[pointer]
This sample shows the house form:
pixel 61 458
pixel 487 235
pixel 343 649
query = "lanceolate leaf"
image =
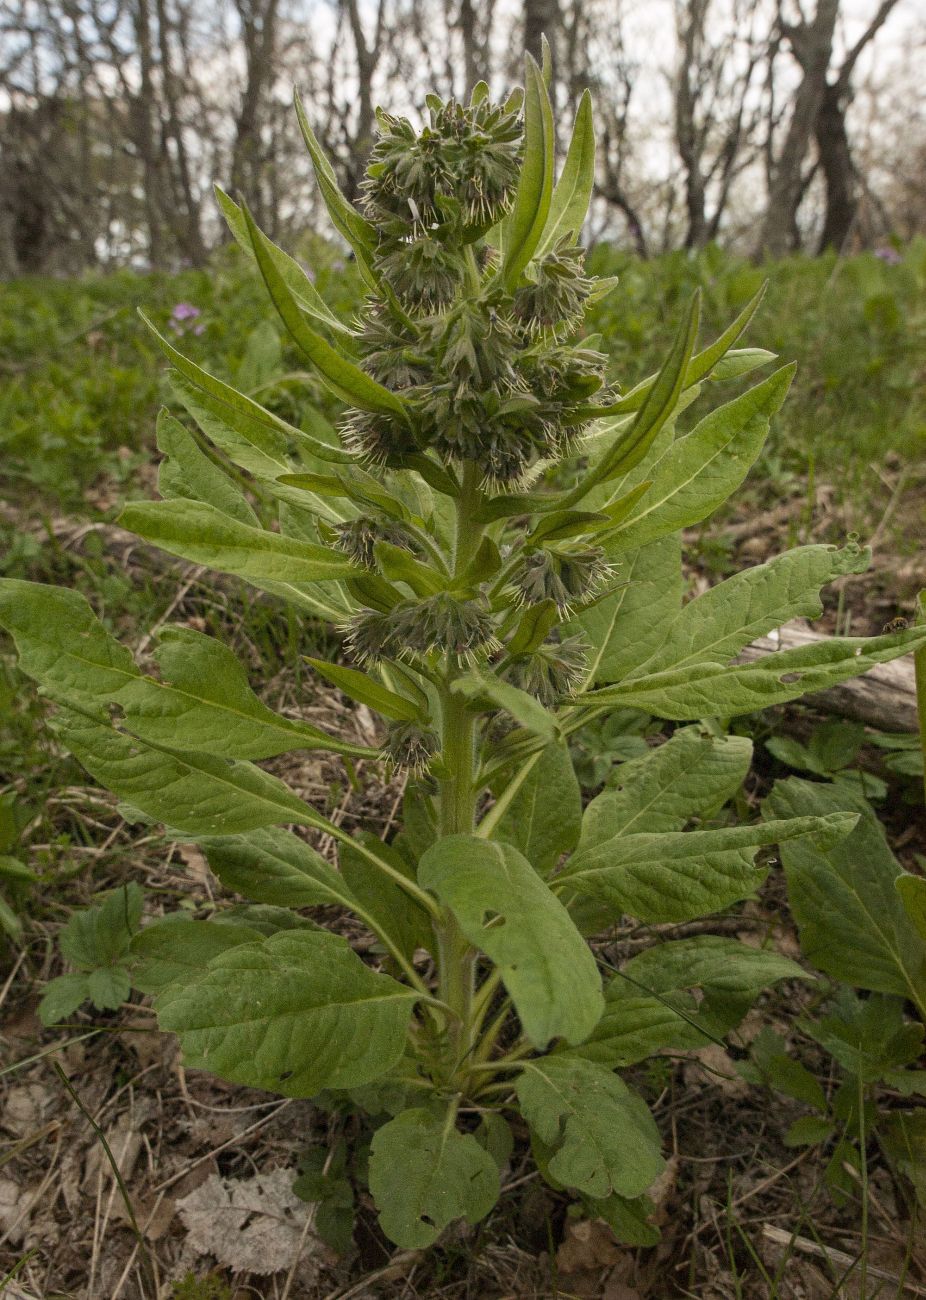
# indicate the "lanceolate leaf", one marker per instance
pixel 257 424
pixel 573 191
pixel 603 1137
pixel 381 898
pixel 296 280
pixel 294 1014
pixel 188 472
pixel 345 379
pixel 650 1006
pixel 698 472
pixel 844 897
pixel 525 224
pixel 709 690
pixel 526 710
pixel 725 619
pixel 543 819
pixel 505 910
pixel 681 875
pixel 202 534
pixel 424 1173
pixel 366 690
pixel 275 866
pixel 194 793
pixel 691 775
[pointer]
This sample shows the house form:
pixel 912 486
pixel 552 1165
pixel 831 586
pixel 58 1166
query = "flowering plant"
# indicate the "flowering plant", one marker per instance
pixel 496 527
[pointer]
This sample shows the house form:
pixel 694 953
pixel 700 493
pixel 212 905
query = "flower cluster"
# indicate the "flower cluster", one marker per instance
pixel 438 624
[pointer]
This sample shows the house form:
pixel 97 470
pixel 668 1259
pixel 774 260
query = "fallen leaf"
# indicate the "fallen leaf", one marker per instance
pixel 589 1243
pixel 249 1225
pixel 24 1109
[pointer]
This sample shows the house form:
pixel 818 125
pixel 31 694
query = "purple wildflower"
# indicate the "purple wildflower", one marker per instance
pixel 889 255
pixel 185 311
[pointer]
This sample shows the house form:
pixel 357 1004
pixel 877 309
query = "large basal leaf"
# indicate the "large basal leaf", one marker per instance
pixel 717 625
pixel 709 690
pixel 193 793
pixel 188 472
pixel 573 191
pixel 691 775
pixel 543 819
pixel 523 228
pixel 294 1014
pixel 699 471
pixel 204 535
pixel 627 626
pixel 844 899
pixel 681 995
pixel 203 703
pixel 682 875
pixel 173 951
pixel 505 910
pixel 275 866
pixel 602 1136
pixel 424 1173
pixel 912 891
pixel 298 283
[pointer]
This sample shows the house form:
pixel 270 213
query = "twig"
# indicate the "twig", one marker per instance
pixel 834 1256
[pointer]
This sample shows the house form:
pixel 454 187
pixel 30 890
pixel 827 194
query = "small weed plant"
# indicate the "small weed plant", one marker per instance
pixel 496 528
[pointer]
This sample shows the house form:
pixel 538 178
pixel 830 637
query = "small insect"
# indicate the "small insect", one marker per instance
pixel 896 625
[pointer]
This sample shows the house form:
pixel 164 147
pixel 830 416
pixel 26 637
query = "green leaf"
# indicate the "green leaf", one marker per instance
pixel 12 869
pixel 912 891
pixel 366 690
pixel 717 625
pixel 741 361
pixel 628 625
pixel 62 997
pixel 193 793
pixel 176 950
pixel 188 472
pixel 573 191
pixel 424 1174
pixel 870 1037
pixel 267 433
pixel 692 775
pixel 295 1014
pixel 204 535
pixel 347 220
pixel 903 1138
pixel 543 819
pixel 275 866
pixel 524 226
pixel 809 1131
pixel 682 875
pixel 100 935
pixel 844 898
pixel 650 1006
pixel 505 910
pixel 108 987
pixel 628 1219
pixel 345 379
pixel 603 1137
pixel 381 898
pixel 296 280
pixel 534 625
pixel 698 472
pixel 398 566
pixel 526 710
pixel 710 690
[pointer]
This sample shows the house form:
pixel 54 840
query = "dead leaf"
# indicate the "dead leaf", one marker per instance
pixel 249 1225
pixel 12 1202
pixel 713 1064
pixel 24 1109
pixel 589 1243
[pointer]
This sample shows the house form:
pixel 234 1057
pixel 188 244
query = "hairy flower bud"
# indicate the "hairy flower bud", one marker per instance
pixel 566 576
pixel 410 746
pixel 357 537
pixel 554 670
pixel 555 298
pixel 378 436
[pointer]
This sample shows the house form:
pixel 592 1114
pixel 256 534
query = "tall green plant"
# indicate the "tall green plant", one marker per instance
pixel 497 529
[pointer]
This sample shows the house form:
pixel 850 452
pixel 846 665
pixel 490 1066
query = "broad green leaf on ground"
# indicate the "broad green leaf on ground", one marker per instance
pixel 204 535
pixel 631 623
pixel 298 283
pixel 691 775
pixel 710 690
pixel 542 821
pixel 173 950
pixel 505 910
pixel 188 472
pixel 101 934
pixel 383 899
pixel 275 866
pixel 294 1014
pixel 903 1138
pixel 912 891
pixel 573 191
pixel 698 472
pixel 603 1138
pixel 851 919
pixel 62 996
pixel 680 995
pixel 424 1173
pixel 524 226
pixel 719 624
pixel 682 875
pixel 197 794
pixel 869 1037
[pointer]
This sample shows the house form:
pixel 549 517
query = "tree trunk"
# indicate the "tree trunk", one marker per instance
pixel 838 170
pixel 541 18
